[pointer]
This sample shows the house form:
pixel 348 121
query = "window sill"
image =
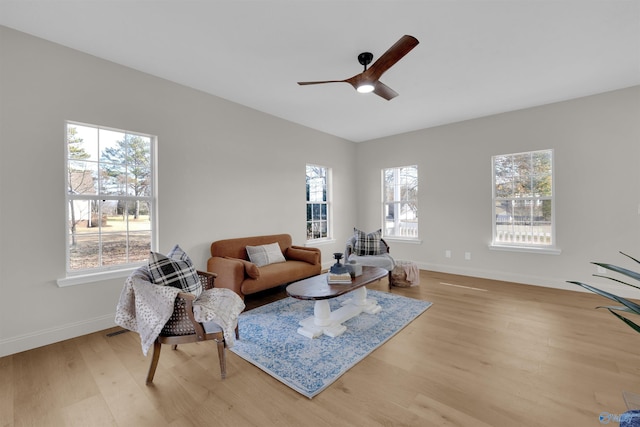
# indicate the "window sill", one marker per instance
pixel 320 242
pixel 83 279
pixel 529 249
pixel 402 240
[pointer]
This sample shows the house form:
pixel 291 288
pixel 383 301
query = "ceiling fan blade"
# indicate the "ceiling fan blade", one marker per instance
pixel 394 54
pixel 321 82
pixel 384 91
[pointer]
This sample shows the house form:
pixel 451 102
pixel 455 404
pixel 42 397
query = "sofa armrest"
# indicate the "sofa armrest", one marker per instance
pixel 230 273
pixel 250 268
pixel 302 253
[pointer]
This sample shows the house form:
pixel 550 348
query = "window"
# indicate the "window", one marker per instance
pixel 400 202
pixel 523 199
pixel 317 203
pixel 109 198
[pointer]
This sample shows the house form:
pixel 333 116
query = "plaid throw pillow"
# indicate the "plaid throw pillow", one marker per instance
pixel 367 244
pixel 175 269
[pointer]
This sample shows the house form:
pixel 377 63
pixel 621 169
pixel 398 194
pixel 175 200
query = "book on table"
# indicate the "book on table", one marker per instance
pixel 334 279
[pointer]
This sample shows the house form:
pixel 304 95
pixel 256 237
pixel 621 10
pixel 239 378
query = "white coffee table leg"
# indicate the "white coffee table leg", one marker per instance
pixel 325 321
pixel 360 300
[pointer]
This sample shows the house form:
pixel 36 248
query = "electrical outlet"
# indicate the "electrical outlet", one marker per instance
pixel 467 256
pixel 447 253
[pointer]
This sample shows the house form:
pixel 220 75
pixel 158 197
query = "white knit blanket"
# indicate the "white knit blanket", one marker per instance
pixel 145 307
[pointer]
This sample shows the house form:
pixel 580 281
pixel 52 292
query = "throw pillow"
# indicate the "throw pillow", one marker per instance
pixel 265 254
pixel 175 269
pixel 367 244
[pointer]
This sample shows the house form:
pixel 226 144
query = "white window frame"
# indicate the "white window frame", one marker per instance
pixel 327 204
pixel 411 228
pixel 102 271
pixel 523 237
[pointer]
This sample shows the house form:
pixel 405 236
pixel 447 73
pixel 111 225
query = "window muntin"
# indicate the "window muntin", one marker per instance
pixel 110 199
pixel 523 199
pixel 318 226
pixel 400 202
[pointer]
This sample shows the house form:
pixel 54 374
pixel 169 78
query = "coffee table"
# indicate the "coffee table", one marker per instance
pixel 325 321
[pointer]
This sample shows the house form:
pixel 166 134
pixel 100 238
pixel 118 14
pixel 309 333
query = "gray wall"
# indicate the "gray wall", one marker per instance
pixel 229 171
pixel 224 171
pixel 596 142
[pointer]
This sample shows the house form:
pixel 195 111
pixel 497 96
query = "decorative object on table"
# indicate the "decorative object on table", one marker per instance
pixel 268 339
pixel 337 279
pixel 338 268
pixel 404 274
pixel 354 268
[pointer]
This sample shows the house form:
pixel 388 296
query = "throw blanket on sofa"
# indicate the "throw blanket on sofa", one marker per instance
pixel 145 308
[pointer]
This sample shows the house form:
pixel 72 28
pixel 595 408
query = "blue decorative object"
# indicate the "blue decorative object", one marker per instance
pixel 268 339
pixel 338 268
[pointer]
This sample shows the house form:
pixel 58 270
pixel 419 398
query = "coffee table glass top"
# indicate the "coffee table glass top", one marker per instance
pixel 317 287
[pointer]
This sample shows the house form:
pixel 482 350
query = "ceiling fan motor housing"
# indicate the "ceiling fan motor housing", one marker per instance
pixel 365 59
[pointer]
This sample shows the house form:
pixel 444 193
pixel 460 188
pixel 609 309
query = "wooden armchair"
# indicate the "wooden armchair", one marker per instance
pixel 182 328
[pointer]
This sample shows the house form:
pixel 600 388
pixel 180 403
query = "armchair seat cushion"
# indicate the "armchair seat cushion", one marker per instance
pixel 383 260
pixel 211 327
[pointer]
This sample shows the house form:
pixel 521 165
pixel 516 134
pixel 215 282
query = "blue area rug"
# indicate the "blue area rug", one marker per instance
pixel 268 339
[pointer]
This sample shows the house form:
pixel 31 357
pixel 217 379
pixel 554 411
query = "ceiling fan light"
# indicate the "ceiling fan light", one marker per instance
pixel 365 88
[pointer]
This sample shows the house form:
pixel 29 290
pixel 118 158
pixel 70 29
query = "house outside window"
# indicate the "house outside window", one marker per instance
pixel 318 197
pixel 110 200
pixel 400 202
pixel 523 200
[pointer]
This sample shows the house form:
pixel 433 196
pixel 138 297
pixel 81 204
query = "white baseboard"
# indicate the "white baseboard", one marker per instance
pixel 48 336
pixel 546 282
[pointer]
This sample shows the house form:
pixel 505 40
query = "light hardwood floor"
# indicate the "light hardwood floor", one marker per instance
pixel 486 353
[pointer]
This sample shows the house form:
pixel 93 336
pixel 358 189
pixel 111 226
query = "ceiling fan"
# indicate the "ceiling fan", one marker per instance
pixel 368 80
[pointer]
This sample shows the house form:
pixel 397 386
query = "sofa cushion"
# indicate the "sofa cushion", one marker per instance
pixel 175 269
pixel 367 244
pixel 265 254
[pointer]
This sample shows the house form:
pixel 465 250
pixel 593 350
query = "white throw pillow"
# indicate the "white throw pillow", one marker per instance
pixel 265 254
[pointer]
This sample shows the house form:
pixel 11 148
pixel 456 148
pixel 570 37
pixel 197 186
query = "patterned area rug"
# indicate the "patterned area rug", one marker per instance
pixel 268 339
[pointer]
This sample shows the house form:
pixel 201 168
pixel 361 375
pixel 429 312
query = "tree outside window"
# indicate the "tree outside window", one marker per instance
pixel 523 199
pixel 110 199
pixel 400 202
pixel 317 203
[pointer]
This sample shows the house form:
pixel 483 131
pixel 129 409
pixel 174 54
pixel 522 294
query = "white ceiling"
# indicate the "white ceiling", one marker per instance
pixel 475 58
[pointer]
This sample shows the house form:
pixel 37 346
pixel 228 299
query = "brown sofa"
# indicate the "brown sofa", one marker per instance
pixel 229 260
